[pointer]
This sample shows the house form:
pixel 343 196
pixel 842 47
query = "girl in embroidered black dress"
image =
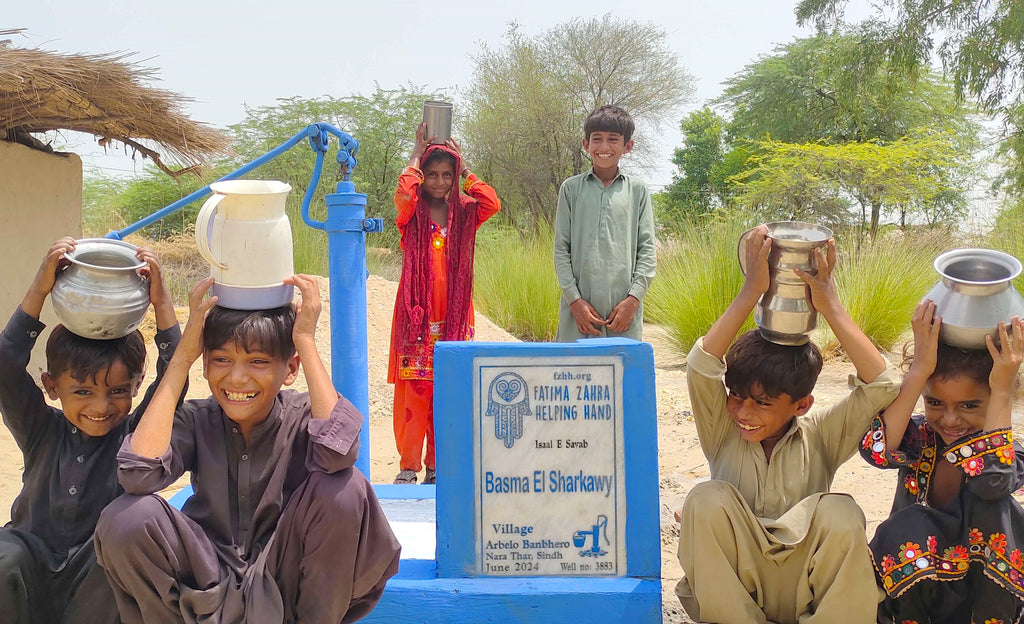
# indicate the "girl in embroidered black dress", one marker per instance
pixel 951 549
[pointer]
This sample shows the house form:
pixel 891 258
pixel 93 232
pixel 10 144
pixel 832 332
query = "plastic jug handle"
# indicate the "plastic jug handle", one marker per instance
pixel 203 233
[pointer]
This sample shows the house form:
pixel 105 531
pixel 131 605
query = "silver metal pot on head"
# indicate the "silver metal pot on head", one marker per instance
pixel 974 295
pixel 438 117
pixel 784 314
pixel 101 294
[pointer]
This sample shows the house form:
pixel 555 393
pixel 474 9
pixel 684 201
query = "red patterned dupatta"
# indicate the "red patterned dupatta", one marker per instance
pixel 412 317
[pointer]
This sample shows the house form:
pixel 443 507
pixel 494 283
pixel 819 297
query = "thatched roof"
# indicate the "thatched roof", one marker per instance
pixel 101 94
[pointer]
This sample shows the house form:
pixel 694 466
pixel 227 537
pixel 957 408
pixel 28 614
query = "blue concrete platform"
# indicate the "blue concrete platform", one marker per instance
pixel 417 596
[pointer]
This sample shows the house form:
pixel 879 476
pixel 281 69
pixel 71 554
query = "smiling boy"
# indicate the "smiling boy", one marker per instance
pixel 604 247
pixel 47 561
pixel 764 540
pixel 282 527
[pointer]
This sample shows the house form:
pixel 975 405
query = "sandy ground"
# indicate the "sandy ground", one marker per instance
pixel 681 462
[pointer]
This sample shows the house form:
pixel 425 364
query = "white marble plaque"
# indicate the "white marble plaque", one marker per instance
pixel 549 466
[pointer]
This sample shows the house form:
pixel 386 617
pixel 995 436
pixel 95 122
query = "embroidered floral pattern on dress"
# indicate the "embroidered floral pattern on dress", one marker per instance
pixel 418 362
pixel 969 454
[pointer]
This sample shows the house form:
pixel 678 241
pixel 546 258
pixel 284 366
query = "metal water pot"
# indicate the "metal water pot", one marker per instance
pixel 784 314
pixel 101 294
pixel 974 295
pixel 438 117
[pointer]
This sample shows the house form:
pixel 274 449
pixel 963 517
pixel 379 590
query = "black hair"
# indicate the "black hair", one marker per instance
pixel 776 368
pixel 951 362
pixel 84 358
pixel 269 331
pixel 609 118
pixel 436 155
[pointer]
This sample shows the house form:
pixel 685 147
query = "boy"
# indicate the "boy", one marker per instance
pixel 47 561
pixel 764 540
pixel 281 527
pixel 604 237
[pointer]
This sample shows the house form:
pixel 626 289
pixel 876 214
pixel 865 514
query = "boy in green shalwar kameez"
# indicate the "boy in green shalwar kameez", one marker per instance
pixel 765 541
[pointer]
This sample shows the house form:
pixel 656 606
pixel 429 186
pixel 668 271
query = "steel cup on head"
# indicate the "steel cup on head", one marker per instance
pixel 438 117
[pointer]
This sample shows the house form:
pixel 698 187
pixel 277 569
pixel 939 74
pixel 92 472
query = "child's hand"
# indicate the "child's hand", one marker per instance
pixel 586 317
pixel 926 338
pixel 1007 357
pixel 824 295
pixel 158 293
pixel 191 344
pixel 422 142
pixel 622 316
pixel 758 246
pixel 307 309
pixel 54 260
pixel 453 145
pixel 46 276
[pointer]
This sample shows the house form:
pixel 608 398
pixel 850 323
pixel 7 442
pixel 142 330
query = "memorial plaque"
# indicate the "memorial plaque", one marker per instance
pixel 549 480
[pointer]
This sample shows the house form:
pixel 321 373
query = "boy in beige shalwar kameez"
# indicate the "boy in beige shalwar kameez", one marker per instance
pixel 764 541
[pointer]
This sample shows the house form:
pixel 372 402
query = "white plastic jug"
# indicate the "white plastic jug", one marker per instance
pixel 243 232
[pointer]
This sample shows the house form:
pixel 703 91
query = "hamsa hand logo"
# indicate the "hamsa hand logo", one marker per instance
pixel 508 401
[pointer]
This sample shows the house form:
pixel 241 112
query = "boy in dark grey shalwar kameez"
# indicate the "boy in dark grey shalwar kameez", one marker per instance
pixel 282 527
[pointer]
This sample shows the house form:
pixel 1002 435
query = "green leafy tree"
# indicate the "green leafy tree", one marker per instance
pixel 923 173
pixel 528 99
pixel 980 42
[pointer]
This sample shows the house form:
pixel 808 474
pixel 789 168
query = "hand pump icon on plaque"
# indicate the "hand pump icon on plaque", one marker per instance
pixel 596 532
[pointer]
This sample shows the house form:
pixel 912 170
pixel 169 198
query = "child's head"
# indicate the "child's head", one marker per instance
pixel 439 173
pixel 248 355
pixel 94 380
pixel 769 384
pixel 957 394
pixel 607 136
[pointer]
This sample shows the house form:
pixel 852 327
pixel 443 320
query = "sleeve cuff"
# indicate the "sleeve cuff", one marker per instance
pixel 22 329
pixel 703 363
pixel 970 454
pixel 127 459
pixel 637 291
pixel 571 294
pixel 889 377
pixel 340 431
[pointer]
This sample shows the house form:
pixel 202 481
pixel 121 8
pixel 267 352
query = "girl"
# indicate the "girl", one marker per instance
pixel 438 226
pixel 950 550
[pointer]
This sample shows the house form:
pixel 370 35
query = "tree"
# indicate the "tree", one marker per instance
pixel 921 173
pixel 832 88
pixel 705 167
pixel 980 42
pixel 528 99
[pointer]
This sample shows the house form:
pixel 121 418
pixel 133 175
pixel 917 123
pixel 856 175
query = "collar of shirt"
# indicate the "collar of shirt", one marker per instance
pixel 260 430
pixel 618 176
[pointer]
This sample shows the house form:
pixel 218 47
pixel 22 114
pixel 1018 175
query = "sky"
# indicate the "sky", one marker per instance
pixel 226 54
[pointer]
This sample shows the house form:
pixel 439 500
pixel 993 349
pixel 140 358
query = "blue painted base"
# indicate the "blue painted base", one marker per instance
pixel 540 600
pixel 416 596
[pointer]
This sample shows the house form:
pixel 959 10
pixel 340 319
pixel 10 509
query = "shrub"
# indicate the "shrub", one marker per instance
pixel 515 283
pixel 882 282
pixel 697 278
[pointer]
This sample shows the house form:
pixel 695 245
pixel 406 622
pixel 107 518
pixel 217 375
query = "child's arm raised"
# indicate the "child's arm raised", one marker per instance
pixel 159 295
pixel 322 394
pixel 862 353
pixel 723 332
pixel 926 344
pixel 152 437
pixel 46 276
pixel 1005 363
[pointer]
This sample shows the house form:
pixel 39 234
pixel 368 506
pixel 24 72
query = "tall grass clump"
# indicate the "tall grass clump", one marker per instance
pixel 698 276
pixel 514 281
pixel 881 283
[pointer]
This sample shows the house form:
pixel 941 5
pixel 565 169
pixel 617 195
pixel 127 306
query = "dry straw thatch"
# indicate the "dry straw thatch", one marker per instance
pixel 100 94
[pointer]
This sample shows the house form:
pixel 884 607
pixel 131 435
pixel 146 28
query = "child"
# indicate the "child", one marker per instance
pixel 281 527
pixel 950 550
pixel 435 293
pixel 604 237
pixel 764 540
pixel 47 561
